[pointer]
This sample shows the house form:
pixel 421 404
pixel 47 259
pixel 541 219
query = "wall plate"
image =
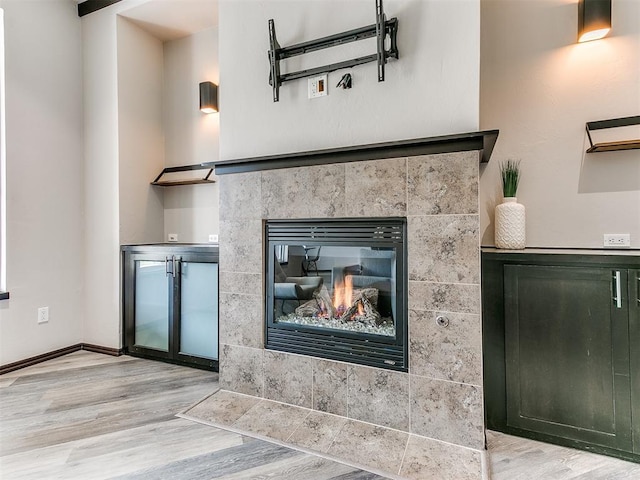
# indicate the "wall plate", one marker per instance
pixel 617 240
pixel 318 86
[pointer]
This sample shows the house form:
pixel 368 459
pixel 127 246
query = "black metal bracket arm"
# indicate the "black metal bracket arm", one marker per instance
pixel 381 29
pixel 185 168
pixel 612 146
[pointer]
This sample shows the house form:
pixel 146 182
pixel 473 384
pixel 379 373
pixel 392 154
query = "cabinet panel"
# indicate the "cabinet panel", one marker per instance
pixel 199 309
pixel 151 328
pixel 170 303
pixel 567 354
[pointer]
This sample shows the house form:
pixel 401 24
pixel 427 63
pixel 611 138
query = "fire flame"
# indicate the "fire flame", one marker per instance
pixel 343 296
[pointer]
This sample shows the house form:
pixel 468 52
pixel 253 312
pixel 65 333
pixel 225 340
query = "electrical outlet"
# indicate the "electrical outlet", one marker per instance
pixel 317 86
pixel 213 238
pixel 43 314
pixel 617 240
pixel 172 237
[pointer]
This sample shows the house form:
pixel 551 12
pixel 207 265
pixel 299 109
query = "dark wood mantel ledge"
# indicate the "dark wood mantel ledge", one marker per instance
pixel 482 141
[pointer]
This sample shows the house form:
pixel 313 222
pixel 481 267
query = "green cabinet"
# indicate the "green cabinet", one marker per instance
pixel 562 349
pixel 170 303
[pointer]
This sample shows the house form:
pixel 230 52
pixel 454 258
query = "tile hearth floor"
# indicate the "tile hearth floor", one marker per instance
pixel 91 416
pixel 382 450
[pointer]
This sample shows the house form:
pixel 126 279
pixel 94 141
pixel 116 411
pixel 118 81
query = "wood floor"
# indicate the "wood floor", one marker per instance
pixel 91 416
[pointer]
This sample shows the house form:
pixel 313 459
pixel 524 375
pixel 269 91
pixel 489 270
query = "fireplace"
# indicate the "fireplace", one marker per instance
pixel 336 289
pixel 431 403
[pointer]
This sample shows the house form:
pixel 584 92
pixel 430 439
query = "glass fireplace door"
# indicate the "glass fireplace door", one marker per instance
pixel 336 288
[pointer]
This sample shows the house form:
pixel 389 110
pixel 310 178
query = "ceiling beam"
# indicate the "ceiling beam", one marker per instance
pixel 90 6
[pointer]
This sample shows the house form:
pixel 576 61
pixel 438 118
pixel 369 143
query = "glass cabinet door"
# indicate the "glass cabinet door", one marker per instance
pixel 170 303
pixel 199 309
pixel 151 305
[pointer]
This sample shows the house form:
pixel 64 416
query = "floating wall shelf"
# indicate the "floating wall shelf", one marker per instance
pixel 185 168
pixel 613 146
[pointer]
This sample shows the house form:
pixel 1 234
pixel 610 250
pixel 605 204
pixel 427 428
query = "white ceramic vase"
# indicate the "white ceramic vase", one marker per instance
pixel 510 224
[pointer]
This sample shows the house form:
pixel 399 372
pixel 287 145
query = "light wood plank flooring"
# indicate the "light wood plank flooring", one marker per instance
pixel 91 416
pixel 515 458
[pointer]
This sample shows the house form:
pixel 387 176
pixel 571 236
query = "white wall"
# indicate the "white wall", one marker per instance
pixel 44 178
pixel 101 199
pixel 432 89
pixel 191 137
pixel 140 134
pixel 109 133
pixel 539 87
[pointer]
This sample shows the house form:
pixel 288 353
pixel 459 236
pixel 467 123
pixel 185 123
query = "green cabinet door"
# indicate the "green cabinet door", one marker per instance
pixel 567 353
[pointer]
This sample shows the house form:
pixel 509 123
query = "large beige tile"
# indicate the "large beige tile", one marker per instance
pixel 443 184
pixel 317 431
pixel 223 407
pixel 370 446
pixel 444 248
pixel 446 297
pixel 272 419
pixel 241 245
pixel 240 282
pixel 242 369
pixel 447 411
pixel 240 196
pixel 379 396
pixel 304 192
pixel 330 386
pixel 426 459
pixel 288 378
pixel 241 320
pixel 453 352
pixel 377 188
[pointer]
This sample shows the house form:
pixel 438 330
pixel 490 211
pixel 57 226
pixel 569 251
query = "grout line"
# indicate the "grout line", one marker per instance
pixel 444 283
pixel 348 390
pixel 406 447
pixel 333 440
pixel 440 215
pixel 406 187
pixel 410 396
pixel 197 402
pixel 297 427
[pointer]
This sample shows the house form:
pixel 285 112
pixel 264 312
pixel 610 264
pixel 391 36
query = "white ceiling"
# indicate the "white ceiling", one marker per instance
pixel 172 19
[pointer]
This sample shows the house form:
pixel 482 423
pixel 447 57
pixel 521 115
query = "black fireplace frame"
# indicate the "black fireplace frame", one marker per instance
pixel 354 347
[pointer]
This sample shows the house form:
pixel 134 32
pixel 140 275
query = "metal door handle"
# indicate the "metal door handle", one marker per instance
pixel 167 269
pixel 618 291
pixel 173 268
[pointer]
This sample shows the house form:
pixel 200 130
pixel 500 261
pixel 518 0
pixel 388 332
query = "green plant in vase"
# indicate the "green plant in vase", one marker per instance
pixel 510 172
pixel 510 215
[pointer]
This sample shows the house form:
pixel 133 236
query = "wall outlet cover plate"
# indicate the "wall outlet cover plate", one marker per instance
pixel 617 240
pixel 317 86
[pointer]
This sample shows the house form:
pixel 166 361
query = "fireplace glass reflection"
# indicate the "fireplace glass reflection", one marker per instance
pixel 335 289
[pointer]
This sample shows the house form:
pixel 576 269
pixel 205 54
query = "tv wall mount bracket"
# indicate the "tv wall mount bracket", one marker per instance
pixel 380 30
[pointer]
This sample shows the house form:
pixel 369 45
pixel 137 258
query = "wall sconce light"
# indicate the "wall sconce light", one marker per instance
pixel 594 19
pixel 208 97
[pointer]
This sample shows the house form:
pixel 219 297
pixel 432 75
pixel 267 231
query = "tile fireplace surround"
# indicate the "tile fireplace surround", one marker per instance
pixel 427 423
